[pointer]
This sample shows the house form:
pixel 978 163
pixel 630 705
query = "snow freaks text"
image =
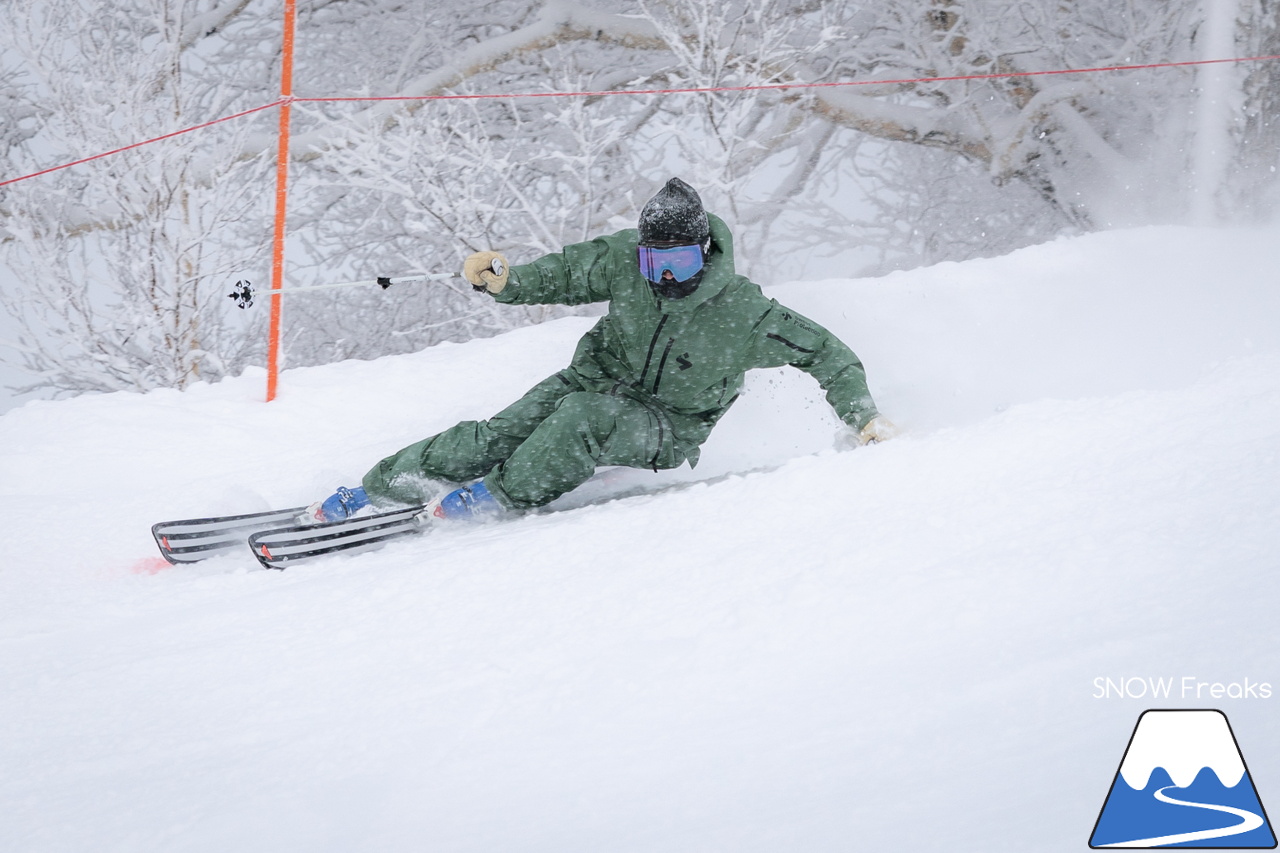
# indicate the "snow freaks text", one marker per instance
pixel 1184 687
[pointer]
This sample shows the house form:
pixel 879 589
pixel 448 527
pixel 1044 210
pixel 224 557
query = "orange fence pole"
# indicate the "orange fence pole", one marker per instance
pixel 282 195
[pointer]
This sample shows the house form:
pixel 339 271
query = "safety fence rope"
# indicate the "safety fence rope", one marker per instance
pixel 759 87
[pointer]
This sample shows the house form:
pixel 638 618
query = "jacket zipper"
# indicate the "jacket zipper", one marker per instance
pixel 662 365
pixel 657 333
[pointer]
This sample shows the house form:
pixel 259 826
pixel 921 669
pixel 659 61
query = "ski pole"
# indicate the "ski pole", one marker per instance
pixel 243 293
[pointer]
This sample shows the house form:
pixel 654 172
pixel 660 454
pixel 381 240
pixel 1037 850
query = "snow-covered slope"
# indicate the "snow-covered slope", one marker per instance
pixel 888 649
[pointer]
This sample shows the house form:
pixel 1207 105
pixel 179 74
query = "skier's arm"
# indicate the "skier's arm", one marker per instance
pixel 785 337
pixel 576 275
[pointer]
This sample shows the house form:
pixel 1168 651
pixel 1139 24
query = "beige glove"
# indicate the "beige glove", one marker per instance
pixel 877 429
pixel 486 271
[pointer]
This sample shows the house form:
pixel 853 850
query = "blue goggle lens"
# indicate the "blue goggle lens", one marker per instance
pixel 683 261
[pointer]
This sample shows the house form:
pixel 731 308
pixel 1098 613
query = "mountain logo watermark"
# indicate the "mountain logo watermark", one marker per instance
pixel 1183 783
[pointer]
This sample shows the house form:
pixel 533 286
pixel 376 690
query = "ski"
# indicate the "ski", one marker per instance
pixel 279 547
pixel 194 539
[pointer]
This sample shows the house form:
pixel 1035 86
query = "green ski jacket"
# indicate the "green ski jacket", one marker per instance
pixel 687 357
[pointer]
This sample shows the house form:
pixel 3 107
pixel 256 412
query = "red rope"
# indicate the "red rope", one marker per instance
pixel 144 142
pixel 685 91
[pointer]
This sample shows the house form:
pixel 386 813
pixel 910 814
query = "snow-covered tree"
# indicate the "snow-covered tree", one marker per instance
pixel 1252 185
pixel 122 264
pixel 132 254
pixel 1005 155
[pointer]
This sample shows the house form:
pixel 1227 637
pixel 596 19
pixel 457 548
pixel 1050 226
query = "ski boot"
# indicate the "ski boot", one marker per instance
pixel 342 504
pixel 468 503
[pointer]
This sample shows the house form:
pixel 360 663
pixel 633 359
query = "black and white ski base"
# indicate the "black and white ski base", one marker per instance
pixel 278 547
pixel 194 539
pixel 278 538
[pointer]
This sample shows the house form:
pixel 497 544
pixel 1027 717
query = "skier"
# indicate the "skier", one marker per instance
pixel 646 384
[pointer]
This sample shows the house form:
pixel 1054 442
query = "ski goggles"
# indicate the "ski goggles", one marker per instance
pixel 683 261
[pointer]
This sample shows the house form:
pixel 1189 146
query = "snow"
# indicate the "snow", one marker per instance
pixel 893 648
pixel 1183 743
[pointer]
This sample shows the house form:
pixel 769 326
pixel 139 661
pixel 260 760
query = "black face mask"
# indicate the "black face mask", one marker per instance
pixel 672 289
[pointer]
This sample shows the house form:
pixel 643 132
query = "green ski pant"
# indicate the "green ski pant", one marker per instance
pixel 545 444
